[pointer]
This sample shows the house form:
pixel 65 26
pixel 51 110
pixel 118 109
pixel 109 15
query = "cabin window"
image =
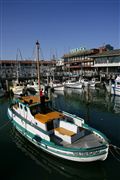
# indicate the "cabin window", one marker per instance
pixel 25 108
pixel 21 106
pixel 118 83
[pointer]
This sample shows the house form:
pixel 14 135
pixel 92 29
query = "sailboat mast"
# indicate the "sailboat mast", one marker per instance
pixel 38 66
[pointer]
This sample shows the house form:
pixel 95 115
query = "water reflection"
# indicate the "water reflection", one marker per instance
pixel 53 165
pixel 116 101
pixel 99 109
pixel 97 98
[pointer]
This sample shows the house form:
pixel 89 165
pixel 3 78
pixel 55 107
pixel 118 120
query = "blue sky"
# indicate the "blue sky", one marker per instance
pixel 59 25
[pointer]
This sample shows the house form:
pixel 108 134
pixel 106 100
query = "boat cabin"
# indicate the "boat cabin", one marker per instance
pixel 51 123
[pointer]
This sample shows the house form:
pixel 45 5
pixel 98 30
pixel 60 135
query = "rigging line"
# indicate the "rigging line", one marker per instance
pixel 117 151
pixel 42 57
pixel 115 147
pixel 33 54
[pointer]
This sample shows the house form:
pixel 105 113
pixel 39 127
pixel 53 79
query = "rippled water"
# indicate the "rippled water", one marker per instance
pixel 21 160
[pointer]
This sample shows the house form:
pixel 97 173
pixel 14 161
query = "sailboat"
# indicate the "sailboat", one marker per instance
pixel 17 87
pixel 58 133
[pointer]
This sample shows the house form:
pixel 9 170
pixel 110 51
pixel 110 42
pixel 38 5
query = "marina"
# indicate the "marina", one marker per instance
pixel 62 119
pixel 59 90
pixel 101 112
pixel 56 132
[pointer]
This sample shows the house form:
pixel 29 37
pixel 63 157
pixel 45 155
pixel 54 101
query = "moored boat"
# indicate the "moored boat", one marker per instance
pixel 58 133
pixel 56 85
pixel 73 84
pixel 115 88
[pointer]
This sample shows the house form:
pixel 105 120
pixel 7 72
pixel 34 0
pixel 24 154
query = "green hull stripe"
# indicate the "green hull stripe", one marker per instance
pixel 31 136
pixel 51 144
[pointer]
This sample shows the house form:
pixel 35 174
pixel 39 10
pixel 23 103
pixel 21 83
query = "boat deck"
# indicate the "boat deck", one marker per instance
pixel 44 118
pixel 88 141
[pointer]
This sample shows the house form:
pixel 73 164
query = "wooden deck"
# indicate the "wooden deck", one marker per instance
pixel 44 118
pixel 31 99
pixel 64 131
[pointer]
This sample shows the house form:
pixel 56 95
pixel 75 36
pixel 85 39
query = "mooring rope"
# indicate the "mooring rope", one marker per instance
pixel 4 125
pixel 116 151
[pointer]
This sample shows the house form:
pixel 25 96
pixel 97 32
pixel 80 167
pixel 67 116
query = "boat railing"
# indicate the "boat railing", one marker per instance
pixel 98 149
pixel 72 115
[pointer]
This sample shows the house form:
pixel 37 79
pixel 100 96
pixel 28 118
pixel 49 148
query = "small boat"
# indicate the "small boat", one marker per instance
pixel 73 84
pixel 115 88
pixel 57 86
pixel 58 133
pixel 35 85
pixel 17 88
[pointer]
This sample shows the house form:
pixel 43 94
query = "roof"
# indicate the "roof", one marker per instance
pixel 44 118
pixel 115 52
pixel 79 53
pixel 31 100
pixel 26 62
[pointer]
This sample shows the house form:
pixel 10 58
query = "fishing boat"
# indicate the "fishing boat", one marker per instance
pixel 58 133
pixel 115 88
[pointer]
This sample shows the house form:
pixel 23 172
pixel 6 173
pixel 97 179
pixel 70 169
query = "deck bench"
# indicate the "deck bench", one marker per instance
pixel 64 134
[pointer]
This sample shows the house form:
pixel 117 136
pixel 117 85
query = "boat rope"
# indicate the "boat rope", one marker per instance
pixel 4 125
pixel 116 152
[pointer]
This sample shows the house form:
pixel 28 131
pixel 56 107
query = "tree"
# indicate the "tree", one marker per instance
pixel 109 47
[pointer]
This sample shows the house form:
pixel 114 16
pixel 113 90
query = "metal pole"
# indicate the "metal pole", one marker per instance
pixel 38 64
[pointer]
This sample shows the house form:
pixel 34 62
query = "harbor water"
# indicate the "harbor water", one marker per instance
pixel 21 160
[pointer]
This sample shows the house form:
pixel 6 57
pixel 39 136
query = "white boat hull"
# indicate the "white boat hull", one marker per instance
pixel 29 131
pixel 115 91
pixel 74 86
pixel 58 88
pixel 115 88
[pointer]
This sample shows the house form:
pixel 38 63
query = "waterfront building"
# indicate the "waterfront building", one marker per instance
pixel 107 63
pixel 101 62
pixel 24 69
pixel 78 62
pixel 59 70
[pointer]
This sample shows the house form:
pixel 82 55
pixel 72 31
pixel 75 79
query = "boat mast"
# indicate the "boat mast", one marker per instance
pixel 38 66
